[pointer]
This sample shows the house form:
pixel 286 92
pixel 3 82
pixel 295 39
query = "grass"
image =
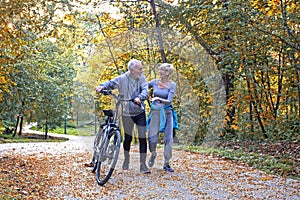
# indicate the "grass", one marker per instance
pixel 26 138
pixel 283 166
pixel 86 130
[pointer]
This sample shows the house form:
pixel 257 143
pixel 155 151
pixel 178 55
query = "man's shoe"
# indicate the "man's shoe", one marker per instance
pixel 125 165
pixel 168 168
pixel 144 169
pixel 152 159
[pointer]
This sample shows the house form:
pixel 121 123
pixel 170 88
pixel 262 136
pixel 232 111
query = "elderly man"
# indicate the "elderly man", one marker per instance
pixel 132 85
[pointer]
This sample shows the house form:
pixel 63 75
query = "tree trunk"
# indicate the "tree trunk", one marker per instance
pixel 65 125
pixel 279 87
pixel 253 99
pixel 157 25
pixel 251 116
pixel 228 77
pixel 16 126
pixel 298 87
pixel 230 112
pixel 21 125
pixel 294 40
pixel 46 130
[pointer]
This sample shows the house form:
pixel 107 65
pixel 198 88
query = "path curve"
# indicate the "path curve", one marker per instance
pixel 196 176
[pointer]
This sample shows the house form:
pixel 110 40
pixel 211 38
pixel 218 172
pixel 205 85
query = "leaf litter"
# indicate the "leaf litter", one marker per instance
pixel 57 171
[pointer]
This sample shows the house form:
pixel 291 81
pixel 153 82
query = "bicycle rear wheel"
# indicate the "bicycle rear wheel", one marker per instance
pixel 108 157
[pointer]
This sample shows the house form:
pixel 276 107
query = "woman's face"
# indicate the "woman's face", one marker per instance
pixel 163 73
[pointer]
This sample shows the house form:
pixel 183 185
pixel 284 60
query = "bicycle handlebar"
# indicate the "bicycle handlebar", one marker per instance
pixel 106 92
pixel 120 97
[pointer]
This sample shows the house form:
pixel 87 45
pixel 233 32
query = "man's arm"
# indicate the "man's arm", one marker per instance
pixel 109 85
pixel 144 90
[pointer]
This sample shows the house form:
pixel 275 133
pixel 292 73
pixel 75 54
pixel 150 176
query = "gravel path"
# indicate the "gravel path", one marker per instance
pixel 196 176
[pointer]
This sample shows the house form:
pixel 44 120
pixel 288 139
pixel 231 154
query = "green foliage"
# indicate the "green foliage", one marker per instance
pixel 254 49
pixel 23 23
pixel 41 87
pixel 61 130
pixel 86 130
pixel 287 130
pixel 253 44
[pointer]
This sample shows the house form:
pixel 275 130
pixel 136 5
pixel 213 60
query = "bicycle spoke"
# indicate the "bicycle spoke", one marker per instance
pixel 108 158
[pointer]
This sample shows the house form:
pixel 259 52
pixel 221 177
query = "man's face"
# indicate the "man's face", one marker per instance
pixel 137 71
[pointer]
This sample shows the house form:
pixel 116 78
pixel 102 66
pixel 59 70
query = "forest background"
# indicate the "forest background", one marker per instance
pixel 237 63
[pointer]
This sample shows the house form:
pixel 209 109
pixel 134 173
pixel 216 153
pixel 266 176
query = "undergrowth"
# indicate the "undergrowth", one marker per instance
pixel 283 165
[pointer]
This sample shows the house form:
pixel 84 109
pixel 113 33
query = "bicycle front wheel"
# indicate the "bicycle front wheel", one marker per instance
pixel 97 148
pixel 108 157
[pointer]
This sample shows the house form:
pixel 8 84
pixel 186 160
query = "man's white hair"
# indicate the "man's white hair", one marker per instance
pixel 132 63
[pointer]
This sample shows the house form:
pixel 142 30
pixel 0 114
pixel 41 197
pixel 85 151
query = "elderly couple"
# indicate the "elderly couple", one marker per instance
pixel 133 85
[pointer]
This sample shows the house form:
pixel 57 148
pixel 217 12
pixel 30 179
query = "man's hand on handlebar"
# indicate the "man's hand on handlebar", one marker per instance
pixel 99 89
pixel 137 100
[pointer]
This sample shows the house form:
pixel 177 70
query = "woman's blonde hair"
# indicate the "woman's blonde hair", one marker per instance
pixel 168 67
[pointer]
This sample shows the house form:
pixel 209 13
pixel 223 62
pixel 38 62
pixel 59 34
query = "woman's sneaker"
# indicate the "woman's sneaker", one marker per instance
pixel 168 168
pixel 91 164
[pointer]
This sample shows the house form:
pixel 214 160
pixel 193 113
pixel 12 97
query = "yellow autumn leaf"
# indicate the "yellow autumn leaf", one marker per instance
pixel 234 127
pixel 266 178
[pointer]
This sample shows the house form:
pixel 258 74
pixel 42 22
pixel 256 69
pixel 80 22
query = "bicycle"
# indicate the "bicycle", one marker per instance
pixel 107 142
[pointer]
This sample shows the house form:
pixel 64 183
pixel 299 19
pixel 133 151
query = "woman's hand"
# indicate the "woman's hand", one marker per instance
pixel 155 98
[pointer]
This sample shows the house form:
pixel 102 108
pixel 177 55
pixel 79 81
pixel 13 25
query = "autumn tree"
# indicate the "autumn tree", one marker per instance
pixel 254 45
pixel 24 60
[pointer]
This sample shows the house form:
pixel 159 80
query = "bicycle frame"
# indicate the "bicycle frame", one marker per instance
pixel 107 142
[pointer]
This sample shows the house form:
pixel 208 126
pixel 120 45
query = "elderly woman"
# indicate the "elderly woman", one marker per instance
pixel 161 115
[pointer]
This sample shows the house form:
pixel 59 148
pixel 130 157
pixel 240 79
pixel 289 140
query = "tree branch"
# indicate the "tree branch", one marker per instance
pixel 107 43
pixel 295 46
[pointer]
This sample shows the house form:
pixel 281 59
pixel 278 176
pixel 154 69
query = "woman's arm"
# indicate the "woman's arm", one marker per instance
pixel 170 97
